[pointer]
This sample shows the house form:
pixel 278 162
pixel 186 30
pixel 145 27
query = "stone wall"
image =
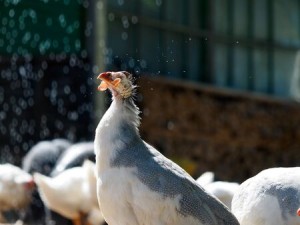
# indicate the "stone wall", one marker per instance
pixel 234 134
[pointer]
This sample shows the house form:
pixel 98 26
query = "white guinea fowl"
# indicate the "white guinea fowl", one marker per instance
pixel 271 197
pixel 15 188
pixel 74 156
pixel 223 190
pixel 71 193
pixel 137 185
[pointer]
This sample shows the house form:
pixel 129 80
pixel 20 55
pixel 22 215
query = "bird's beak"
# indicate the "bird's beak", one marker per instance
pixel 107 81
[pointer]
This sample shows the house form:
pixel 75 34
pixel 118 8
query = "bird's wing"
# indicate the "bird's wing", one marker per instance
pixel 163 176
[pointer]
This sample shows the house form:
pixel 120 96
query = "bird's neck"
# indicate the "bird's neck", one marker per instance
pixel 119 124
pixel 127 111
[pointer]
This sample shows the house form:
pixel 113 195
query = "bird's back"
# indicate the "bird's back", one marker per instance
pixel 270 197
pixel 174 192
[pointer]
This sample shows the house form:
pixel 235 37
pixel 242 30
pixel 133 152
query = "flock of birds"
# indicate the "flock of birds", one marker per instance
pixel 56 185
pixel 119 179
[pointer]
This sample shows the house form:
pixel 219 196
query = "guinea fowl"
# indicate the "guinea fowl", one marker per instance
pixel 271 197
pixel 74 156
pixel 41 158
pixel 223 190
pixel 137 185
pixel 72 194
pixel 15 188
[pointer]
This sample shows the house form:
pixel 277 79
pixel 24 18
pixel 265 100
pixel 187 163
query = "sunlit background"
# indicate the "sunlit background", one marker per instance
pixel 52 50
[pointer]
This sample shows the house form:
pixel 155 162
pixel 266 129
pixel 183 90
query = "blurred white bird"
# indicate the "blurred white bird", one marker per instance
pixel 137 185
pixel 223 190
pixel 71 193
pixel 271 197
pixel 15 188
pixel 41 158
pixel 206 178
pixel 74 156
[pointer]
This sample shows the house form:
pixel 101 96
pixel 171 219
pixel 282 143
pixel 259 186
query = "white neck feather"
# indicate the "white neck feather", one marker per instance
pixel 109 134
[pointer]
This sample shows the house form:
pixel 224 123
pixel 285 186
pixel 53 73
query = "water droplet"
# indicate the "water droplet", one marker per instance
pixel 62 20
pixel 143 64
pixel 22 71
pixel 66 2
pixel 67 89
pixel 170 125
pixel 26 37
pixel 66 69
pixel 86 4
pixel 4 21
pixel 125 22
pixel 134 19
pixel 131 63
pixel 73 115
pixel 12 23
pixel 49 21
pixel 111 17
pixel 124 36
pixel 11 13
pixel 158 2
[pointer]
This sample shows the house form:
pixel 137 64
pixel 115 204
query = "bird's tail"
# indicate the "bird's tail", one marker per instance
pixel 46 191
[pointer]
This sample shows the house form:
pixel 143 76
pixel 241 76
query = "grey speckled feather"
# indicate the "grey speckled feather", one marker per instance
pixel 287 198
pixel 163 176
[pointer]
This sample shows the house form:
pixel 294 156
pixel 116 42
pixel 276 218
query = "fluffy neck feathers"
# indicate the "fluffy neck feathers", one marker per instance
pixel 128 110
pixel 119 124
pixel 124 111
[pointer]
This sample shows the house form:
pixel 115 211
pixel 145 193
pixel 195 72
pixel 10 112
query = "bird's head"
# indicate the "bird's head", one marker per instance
pixel 119 83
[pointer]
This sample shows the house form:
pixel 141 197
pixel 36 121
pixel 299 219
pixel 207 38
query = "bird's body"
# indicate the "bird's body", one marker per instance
pixel 271 197
pixel 74 156
pixel 137 185
pixel 42 158
pixel 69 193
